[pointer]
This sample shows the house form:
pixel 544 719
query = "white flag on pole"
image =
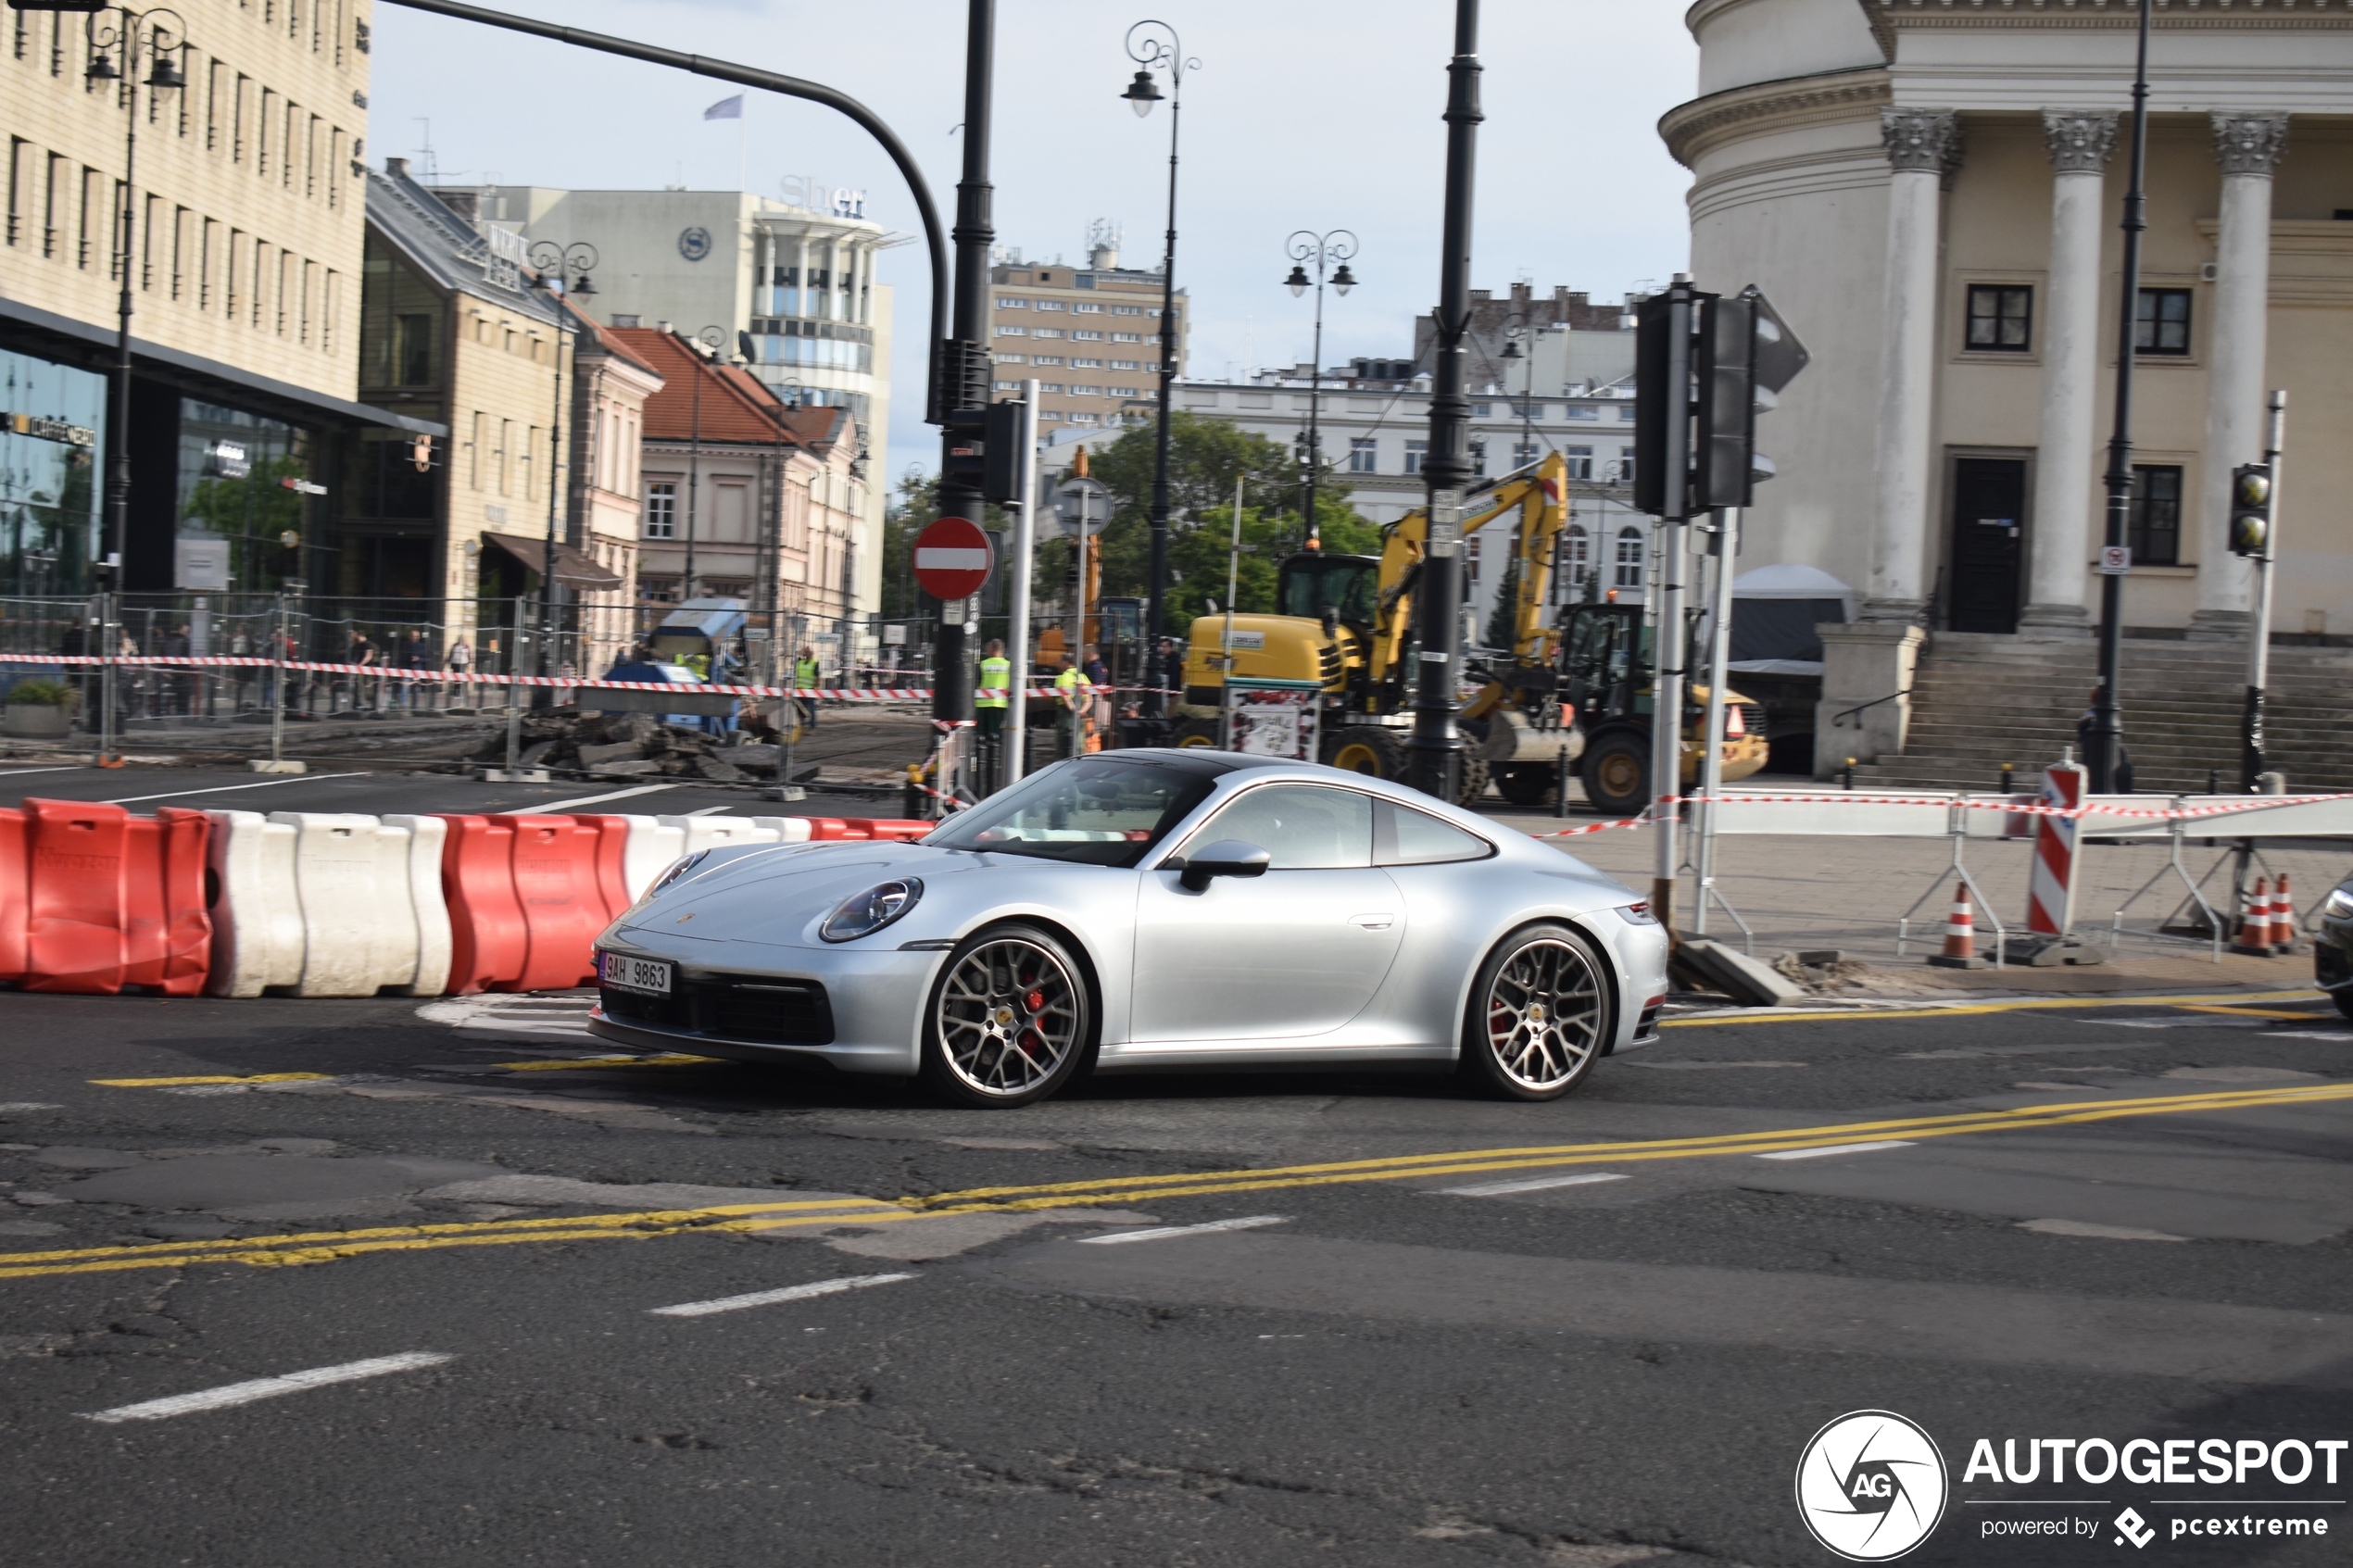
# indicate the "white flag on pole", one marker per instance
pixel 726 108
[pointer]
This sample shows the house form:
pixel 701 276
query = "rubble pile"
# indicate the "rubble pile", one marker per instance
pixel 632 746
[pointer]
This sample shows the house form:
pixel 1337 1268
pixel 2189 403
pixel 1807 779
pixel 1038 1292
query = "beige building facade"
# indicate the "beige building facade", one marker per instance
pixel 1929 193
pixel 606 477
pixel 246 204
pixel 1090 334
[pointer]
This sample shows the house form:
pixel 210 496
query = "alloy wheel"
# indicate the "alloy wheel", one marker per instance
pixel 1009 1017
pixel 1544 1014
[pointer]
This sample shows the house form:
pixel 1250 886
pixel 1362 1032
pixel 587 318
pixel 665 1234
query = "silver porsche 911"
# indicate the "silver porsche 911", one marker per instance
pixel 1143 910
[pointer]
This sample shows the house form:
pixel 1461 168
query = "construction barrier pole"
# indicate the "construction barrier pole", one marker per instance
pixel 278 689
pixel 1017 733
pixel 1724 544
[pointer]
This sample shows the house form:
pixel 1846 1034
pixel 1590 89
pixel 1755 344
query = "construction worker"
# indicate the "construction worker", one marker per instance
pixel 804 675
pixel 1070 689
pixel 996 674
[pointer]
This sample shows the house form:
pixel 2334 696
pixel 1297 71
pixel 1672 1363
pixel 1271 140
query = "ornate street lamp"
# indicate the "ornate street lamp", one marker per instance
pixel 1152 52
pixel 1305 247
pixel 563 271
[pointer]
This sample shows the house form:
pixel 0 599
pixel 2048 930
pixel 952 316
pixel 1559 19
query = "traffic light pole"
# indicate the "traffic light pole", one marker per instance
pixel 963 370
pixel 1724 544
pixel 1667 687
pixel 1434 755
pixel 2259 645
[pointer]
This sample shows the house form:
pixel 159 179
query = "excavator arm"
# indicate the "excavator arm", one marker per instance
pixel 1538 495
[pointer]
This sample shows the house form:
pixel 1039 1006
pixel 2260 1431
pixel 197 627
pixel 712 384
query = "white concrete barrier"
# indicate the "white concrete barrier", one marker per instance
pixel 427 836
pixel 652 849
pixel 789 830
pixel 711 833
pixel 257 918
pixel 358 882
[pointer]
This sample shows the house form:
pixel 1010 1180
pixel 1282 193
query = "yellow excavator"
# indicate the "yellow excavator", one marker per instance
pixel 1344 631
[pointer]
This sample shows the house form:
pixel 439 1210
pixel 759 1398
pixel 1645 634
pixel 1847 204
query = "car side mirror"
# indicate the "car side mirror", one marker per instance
pixel 1228 857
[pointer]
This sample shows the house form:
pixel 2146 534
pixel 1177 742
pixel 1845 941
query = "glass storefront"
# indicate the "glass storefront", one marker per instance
pixel 52 430
pixel 232 472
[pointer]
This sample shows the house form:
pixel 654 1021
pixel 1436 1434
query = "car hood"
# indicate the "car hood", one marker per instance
pixel 777 893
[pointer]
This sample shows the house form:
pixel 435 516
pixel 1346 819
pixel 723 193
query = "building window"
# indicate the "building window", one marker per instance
pixel 1525 453
pixel 2157 514
pixel 1080 389
pixel 1415 452
pixel 1482 410
pixel 1045 358
pixel 1582 411
pixel 1581 462
pixel 1364 456
pixel 1086 364
pixel 1093 337
pixel 662 509
pixel 1043 331
pixel 1128 337
pixel 1012 304
pixel 1631 550
pixel 1013 332
pixel 2001 318
pixel 1126 365
pixel 1526 410
pixel 1479 458
pixel 1050 386
pixel 1005 385
pixel 2161 325
pixel 1048 304
pixel 1575 557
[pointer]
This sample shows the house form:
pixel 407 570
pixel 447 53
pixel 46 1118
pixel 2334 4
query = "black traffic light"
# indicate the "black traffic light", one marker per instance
pixel 2251 510
pixel 1746 354
pixel 1657 404
pixel 985 452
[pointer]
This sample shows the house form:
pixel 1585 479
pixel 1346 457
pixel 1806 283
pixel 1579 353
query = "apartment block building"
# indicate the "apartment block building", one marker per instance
pixel 247 208
pixel 1090 334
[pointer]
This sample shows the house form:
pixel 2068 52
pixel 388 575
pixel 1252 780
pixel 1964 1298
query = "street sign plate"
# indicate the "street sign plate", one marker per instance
pixel 952 557
pixel 2115 560
pixel 1084 497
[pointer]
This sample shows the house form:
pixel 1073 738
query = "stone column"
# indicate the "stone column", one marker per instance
pixel 1921 146
pixel 2080 142
pixel 2248 147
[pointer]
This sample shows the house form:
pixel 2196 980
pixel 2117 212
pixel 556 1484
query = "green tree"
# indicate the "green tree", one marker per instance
pixel 1206 456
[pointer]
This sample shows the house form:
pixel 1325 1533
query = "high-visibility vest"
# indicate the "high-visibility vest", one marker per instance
pixel 1068 685
pixel 996 673
pixel 700 664
pixel 804 674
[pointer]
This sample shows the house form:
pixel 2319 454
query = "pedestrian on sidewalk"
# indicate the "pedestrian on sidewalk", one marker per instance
pixel 804 675
pixel 2123 780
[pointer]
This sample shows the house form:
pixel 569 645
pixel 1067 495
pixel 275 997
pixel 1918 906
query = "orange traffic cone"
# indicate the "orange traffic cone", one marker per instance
pixel 2283 917
pixel 2254 926
pixel 1960 935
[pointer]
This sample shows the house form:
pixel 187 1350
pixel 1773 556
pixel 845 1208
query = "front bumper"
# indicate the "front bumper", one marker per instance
pixel 874 996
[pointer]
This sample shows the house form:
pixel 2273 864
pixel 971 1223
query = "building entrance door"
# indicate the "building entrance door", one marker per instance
pixel 1989 508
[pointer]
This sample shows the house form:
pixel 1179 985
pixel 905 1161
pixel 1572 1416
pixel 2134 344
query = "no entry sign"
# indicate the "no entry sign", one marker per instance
pixel 952 557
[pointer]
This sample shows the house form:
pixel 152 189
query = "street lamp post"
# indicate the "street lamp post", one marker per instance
pixel 1434 755
pixel 160 34
pixel 1304 247
pixel 1150 52
pixel 2104 745
pixel 564 272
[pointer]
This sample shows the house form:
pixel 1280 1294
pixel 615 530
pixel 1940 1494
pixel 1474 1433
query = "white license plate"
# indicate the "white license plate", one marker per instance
pixel 651 975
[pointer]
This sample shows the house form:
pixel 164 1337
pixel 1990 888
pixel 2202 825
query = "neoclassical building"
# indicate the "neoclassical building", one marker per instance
pixel 1929 191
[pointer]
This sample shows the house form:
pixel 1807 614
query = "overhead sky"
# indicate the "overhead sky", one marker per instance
pixel 1302 114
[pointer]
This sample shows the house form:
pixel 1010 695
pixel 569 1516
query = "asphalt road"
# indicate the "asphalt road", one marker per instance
pixel 1452 1330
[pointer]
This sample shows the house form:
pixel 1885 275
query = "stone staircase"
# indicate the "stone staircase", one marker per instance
pixel 1980 700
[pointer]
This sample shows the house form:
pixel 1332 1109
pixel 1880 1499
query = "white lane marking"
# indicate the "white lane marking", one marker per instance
pixel 62 768
pixel 2096 1231
pixel 268 1387
pixel 708 811
pixel 224 789
pixel 1161 1232
pixel 1530 1184
pixel 29 1105
pixel 1840 1149
pixel 544 808
pixel 769 1298
pixel 2209 1021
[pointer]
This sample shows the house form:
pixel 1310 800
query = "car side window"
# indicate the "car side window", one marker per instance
pixel 1302 827
pixel 1416 838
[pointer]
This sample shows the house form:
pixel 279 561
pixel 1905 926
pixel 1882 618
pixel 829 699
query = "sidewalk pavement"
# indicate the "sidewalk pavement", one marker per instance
pixel 1801 893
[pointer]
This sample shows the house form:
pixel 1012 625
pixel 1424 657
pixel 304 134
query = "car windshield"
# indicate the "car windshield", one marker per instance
pixel 1094 810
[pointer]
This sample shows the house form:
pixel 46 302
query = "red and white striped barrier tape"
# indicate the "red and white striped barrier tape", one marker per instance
pixel 2021 809
pixel 570 682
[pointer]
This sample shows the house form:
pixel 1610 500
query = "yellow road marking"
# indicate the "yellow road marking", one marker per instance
pixel 327 1246
pixel 2019 1005
pixel 173 1083
pixel 668 1058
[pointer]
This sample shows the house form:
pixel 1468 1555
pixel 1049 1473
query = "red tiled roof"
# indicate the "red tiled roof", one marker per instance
pixel 734 404
pixel 606 338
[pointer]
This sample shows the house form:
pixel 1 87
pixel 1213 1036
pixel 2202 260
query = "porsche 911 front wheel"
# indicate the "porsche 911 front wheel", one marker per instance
pixel 1009 1019
pixel 1539 1014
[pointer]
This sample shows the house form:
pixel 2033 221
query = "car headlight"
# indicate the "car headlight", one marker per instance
pixel 678 868
pixel 2340 904
pixel 867 912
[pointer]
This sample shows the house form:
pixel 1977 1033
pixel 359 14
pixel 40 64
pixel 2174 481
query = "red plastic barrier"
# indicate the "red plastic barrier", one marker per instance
pixel 12 896
pixel 898 828
pixel 93 898
pixel 830 828
pixel 527 897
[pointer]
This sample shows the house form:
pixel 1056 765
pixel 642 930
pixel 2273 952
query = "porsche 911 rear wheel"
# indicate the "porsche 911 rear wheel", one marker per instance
pixel 1540 1015
pixel 1008 1020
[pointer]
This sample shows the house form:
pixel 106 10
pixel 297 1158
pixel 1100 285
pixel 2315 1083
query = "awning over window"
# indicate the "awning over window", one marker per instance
pixel 574 569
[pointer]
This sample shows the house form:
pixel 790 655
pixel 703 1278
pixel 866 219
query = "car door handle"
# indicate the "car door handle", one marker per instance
pixel 1373 922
